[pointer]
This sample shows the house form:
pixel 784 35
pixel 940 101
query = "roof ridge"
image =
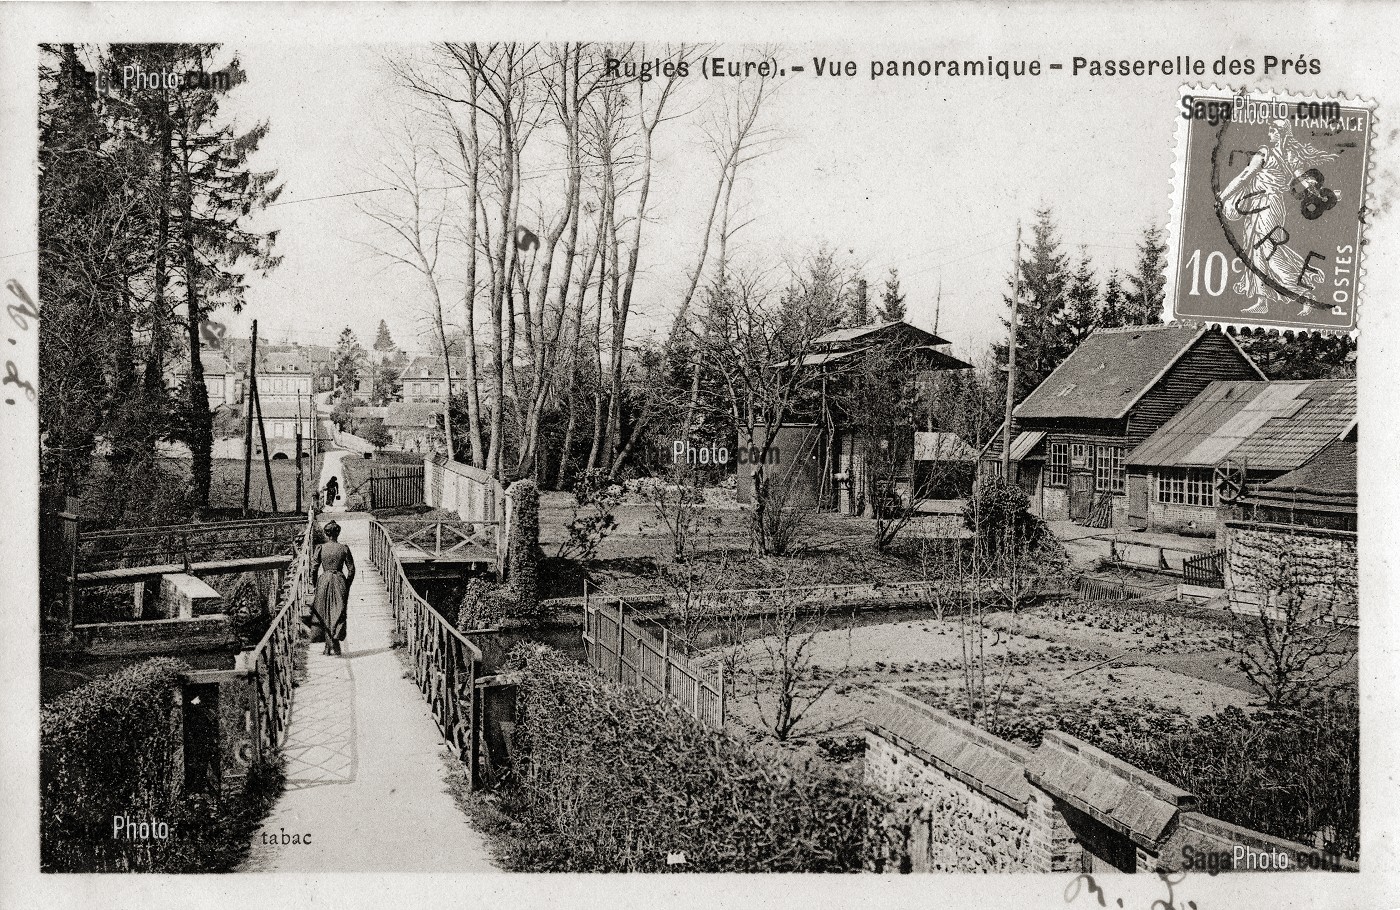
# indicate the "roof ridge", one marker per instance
pixel 1156 327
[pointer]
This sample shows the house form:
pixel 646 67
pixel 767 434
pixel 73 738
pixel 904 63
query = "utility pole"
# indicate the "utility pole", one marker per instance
pixel 298 452
pixel 267 456
pixel 248 418
pixel 938 304
pixel 1011 359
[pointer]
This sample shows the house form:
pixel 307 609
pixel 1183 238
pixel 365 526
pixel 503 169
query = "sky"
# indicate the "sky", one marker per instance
pixel 927 175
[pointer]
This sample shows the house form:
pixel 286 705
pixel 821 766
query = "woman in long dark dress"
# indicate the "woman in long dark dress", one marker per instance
pixel 333 569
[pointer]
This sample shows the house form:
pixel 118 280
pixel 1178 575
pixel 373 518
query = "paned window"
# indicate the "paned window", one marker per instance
pixel 1109 475
pixel 1189 487
pixel 1058 474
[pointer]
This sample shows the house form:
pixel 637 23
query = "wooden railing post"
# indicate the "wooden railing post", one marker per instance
pixel 621 636
pixel 665 663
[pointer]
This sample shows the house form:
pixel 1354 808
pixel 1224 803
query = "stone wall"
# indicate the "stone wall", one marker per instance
pixel 1322 563
pixel 962 800
pixel 952 827
pixel 962 793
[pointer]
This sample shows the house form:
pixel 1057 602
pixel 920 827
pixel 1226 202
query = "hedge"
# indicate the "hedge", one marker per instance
pixel 614 782
pixel 109 748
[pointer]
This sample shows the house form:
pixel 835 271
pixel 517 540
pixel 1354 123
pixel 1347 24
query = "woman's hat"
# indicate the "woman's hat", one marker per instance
pixel 331 528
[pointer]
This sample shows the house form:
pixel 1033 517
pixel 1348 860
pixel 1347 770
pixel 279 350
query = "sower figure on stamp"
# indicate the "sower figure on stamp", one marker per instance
pixel 1259 196
pixel 333 569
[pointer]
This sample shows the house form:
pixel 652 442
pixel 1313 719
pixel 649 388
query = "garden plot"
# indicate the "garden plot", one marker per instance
pixel 1050 673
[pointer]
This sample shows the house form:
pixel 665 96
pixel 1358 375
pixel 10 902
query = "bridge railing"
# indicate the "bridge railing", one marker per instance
pixel 182 545
pixel 271 661
pixel 445 664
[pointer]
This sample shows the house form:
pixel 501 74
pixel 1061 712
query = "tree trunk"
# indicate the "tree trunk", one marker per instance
pixel 201 425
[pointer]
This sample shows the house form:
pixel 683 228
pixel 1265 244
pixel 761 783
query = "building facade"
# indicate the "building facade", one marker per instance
pixel 1071 436
pixel 1245 432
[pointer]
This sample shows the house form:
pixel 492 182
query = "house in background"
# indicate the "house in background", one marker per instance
pixel 280 418
pixel 414 427
pixel 424 379
pixel 1257 431
pixel 1072 434
pixel 283 376
pixel 816 452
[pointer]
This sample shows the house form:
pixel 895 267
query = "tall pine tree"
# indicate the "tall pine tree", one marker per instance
pixel 1113 310
pixel 1083 309
pixel 1043 334
pixel 892 301
pixel 1146 291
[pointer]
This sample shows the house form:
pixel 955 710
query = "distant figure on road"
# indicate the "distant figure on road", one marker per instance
pixel 333 571
pixel 332 490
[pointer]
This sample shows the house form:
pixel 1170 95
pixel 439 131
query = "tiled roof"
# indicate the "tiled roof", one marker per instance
pixel 853 333
pixel 1109 372
pixel 1267 426
pixel 283 362
pixel 1326 482
pixel 282 408
pixel 215 364
pixel 424 367
pixel 409 414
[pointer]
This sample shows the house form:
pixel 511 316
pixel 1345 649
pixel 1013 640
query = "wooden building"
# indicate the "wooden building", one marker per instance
pixel 1071 436
pixel 817 454
pixel 1257 431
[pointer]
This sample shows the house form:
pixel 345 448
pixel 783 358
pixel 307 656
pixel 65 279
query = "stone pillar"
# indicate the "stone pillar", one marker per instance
pixel 522 551
pixel 185 597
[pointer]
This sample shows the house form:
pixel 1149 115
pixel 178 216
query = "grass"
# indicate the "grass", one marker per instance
pixel 226 485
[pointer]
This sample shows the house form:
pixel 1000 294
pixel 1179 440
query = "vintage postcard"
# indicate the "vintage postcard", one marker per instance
pixel 456 451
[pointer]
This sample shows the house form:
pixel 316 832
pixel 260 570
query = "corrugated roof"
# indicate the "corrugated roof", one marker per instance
pixel 1109 371
pixel 1268 426
pixel 1025 443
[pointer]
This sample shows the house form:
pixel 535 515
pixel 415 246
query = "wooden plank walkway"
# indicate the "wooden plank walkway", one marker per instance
pixel 365 766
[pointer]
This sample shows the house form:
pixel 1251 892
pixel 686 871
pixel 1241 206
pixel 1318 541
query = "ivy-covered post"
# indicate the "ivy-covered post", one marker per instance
pixel 523 548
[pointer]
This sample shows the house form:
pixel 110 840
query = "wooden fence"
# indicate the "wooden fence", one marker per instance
pixel 1206 570
pixel 395 485
pixel 622 649
pixel 445 664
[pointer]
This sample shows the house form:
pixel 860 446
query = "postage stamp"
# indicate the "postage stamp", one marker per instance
pixel 1269 208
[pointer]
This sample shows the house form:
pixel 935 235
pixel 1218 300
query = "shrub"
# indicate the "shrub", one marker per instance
pixel 611 781
pixel 109 749
pixel 999 510
pixel 595 498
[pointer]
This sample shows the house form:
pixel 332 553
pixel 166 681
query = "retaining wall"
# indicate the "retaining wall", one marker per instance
pixel 966 801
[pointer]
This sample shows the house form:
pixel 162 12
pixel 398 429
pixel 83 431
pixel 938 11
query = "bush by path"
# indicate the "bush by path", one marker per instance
pixel 609 781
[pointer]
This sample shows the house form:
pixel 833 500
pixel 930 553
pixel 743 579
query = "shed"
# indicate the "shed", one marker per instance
pixel 1259 430
pixel 1072 433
